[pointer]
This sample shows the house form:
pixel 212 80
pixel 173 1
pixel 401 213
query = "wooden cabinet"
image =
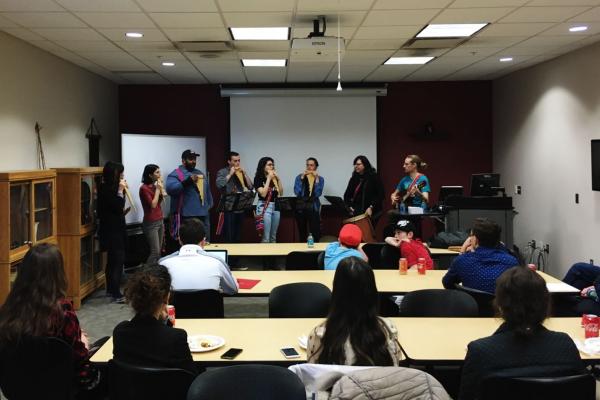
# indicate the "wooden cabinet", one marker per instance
pixel 27 216
pixel 77 198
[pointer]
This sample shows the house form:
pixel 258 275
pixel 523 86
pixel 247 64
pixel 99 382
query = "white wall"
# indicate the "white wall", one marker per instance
pixel 544 119
pixel 62 97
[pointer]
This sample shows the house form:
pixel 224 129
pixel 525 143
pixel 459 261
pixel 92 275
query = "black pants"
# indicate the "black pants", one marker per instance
pixel 309 221
pixel 115 257
pixel 232 227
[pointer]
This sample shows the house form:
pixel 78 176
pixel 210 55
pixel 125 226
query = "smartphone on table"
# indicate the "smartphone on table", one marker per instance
pixel 290 352
pixel 231 354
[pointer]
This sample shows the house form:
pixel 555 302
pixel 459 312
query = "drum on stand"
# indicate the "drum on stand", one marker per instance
pixel 363 221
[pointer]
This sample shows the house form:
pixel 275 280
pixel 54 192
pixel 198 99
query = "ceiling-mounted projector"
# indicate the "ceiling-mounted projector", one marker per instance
pixel 317 47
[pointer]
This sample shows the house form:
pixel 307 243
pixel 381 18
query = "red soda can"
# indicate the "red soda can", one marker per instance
pixel 586 318
pixel 532 267
pixel 421 266
pixel 591 327
pixel 171 314
pixel 403 266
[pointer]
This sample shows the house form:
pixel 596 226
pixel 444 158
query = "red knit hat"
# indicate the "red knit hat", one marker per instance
pixel 350 235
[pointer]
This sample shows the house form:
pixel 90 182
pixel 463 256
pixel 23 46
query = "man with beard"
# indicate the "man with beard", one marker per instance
pixel 190 193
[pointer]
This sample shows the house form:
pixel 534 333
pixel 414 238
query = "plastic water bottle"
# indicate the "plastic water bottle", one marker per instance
pixel 310 242
pixel 402 208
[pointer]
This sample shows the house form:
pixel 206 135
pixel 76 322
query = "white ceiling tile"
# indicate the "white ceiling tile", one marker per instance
pixel 543 14
pixel 423 75
pixel 265 74
pixel 96 45
pixel 518 51
pixel 391 73
pixel 29 5
pixel 564 3
pixel 500 41
pixel 256 5
pixel 366 57
pixel 145 78
pixel 223 74
pixel 118 35
pixel 374 44
pixel 69 34
pixel 150 56
pixel 409 4
pixel 6 23
pixel 549 41
pixel 222 56
pixel 487 3
pixel 470 51
pixel 388 32
pixel 351 73
pixel 24 34
pixel 347 18
pixel 188 20
pixel 263 54
pixel 592 15
pixel 519 29
pixel 309 72
pixel 187 79
pixel 345 32
pixel 117 62
pixel 244 20
pixel 200 34
pixel 147 46
pixel 328 5
pixel 419 52
pixel 181 67
pixel 399 17
pixel 471 15
pixel 178 5
pixel 215 65
pixel 262 45
pixel 117 20
pixel 563 29
pixel 99 6
pixel 45 20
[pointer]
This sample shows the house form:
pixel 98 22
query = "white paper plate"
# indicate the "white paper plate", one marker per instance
pixel 203 343
pixel 303 342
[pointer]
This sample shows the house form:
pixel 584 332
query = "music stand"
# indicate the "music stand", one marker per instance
pixel 240 201
pixel 339 203
pixel 285 203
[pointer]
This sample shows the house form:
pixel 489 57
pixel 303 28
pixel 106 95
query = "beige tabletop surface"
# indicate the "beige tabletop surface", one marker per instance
pixel 426 340
pixel 283 249
pixel 388 281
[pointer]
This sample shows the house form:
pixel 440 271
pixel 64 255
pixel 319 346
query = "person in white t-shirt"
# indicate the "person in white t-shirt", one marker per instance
pixel 192 268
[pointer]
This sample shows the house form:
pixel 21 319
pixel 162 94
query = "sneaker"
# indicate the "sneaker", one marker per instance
pixel 119 300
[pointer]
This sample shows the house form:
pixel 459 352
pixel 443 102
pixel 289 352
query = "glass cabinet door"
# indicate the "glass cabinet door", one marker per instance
pixel 42 197
pixel 19 214
pixel 86 259
pixel 98 267
pixel 87 188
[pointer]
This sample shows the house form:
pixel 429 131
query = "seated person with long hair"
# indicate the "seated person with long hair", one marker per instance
pixel 522 346
pixel 147 339
pixel 353 333
pixel 37 307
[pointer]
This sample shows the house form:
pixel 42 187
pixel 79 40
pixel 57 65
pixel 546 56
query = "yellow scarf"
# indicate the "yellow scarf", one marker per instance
pixel 200 186
pixel 240 176
pixel 311 183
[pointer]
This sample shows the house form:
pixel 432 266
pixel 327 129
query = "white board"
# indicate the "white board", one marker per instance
pixel 163 150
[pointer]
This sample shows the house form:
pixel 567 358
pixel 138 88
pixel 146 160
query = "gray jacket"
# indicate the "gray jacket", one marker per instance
pixel 229 186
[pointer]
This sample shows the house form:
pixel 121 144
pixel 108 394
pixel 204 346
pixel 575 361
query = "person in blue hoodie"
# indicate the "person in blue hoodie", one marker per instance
pixel 190 193
pixel 347 246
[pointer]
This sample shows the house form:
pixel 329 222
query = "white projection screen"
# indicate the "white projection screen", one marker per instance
pixel 334 130
pixel 162 150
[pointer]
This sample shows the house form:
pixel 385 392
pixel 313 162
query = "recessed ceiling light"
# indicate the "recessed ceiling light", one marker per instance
pixel 136 35
pixel 506 59
pixel 450 30
pixel 578 28
pixel 407 60
pixel 168 64
pixel 263 63
pixel 282 33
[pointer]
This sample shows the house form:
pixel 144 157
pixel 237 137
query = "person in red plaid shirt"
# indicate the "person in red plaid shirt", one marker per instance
pixel 37 307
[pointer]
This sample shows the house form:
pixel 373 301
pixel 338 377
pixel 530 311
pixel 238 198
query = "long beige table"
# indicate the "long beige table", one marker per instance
pixel 283 249
pixel 388 281
pixel 424 340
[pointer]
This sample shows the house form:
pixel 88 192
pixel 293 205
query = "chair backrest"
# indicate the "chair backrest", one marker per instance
pixel 373 251
pixel 438 303
pixel 580 387
pixel 132 382
pixel 247 382
pixel 485 300
pixel 197 304
pixel 321 260
pixel 389 258
pixel 37 368
pixel 302 260
pixel 299 300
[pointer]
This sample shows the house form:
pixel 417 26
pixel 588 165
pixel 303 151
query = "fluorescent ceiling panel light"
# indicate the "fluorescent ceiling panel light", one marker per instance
pixel 506 59
pixel 282 33
pixel 135 35
pixel 263 63
pixel 168 64
pixel 407 60
pixel 578 28
pixel 450 30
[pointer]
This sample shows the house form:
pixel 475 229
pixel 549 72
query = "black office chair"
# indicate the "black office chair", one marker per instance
pixel 438 303
pixel 197 304
pixel 389 257
pixel 37 368
pixel 580 387
pixel 321 260
pixel 247 382
pixel 302 260
pixel 299 300
pixel 373 251
pixel 132 382
pixel 485 300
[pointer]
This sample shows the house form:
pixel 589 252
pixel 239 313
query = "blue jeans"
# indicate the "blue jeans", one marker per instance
pixel 271 222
